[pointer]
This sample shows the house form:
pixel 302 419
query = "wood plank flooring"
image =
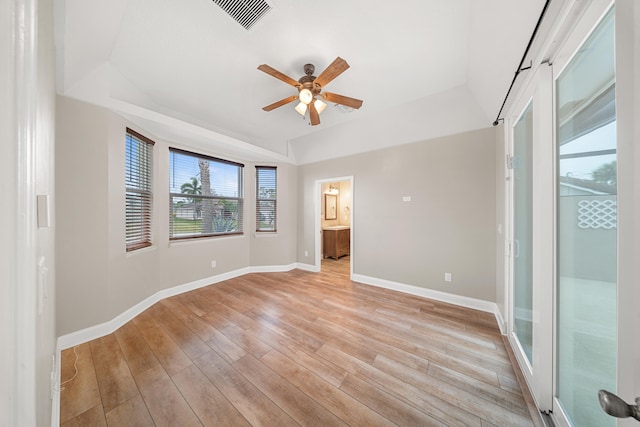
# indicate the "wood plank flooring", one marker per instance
pixel 296 348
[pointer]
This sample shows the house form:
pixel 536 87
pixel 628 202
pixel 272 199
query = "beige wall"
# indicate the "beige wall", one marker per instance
pixel 81 214
pixel 448 226
pixel 97 279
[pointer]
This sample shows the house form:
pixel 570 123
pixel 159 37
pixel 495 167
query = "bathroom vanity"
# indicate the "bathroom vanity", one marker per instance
pixel 336 241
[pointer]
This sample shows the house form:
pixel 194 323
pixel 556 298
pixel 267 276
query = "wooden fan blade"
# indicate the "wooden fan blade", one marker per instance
pixel 342 100
pixel 337 67
pixel 314 116
pixel 280 103
pixel 278 75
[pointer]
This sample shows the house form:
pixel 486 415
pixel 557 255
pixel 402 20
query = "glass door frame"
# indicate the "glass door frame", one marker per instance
pixel 584 27
pixel 538 374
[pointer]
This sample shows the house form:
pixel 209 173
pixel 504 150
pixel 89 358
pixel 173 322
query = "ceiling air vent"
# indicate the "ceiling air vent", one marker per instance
pixel 244 12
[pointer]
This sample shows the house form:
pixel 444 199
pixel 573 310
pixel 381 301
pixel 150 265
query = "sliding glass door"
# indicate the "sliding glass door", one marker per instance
pixel 522 242
pixel 562 216
pixel 586 228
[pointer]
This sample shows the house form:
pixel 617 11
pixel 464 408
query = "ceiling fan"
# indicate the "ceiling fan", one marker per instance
pixel 310 90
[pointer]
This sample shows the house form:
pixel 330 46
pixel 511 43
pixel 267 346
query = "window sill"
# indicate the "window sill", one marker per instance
pixel 208 239
pixel 261 234
pixel 141 251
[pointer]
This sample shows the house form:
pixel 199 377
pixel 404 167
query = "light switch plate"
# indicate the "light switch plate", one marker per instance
pixel 43 211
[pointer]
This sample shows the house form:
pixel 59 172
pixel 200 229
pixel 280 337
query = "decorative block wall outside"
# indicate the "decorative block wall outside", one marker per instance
pixel 596 214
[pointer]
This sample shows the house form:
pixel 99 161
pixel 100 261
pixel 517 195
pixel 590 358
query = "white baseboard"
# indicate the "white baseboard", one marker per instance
pixel 476 304
pixel 106 328
pixel 308 267
pixel 500 319
pixel 272 268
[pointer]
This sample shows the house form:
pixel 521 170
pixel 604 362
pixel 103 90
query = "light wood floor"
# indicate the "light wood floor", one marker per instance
pixel 296 348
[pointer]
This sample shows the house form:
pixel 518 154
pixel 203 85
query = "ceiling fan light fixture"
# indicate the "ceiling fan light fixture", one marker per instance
pixel 301 108
pixel 320 106
pixel 305 96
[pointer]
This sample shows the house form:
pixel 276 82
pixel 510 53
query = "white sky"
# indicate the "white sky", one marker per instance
pixel 603 138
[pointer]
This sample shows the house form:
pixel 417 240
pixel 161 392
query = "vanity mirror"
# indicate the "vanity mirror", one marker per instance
pixel 330 206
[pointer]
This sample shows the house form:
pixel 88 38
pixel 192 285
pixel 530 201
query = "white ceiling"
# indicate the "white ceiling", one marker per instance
pixel 185 71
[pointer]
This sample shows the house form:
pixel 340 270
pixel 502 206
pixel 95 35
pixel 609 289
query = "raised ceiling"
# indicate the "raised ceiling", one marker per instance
pixel 187 72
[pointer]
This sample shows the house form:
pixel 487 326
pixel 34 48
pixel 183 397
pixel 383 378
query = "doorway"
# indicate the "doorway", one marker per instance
pixel 334 225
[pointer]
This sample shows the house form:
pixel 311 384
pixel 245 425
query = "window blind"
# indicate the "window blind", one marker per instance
pixel 266 198
pixel 139 195
pixel 205 195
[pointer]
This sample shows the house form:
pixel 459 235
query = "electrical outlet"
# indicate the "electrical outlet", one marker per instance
pixel 447 277
pixel 213 264
pixel 306 253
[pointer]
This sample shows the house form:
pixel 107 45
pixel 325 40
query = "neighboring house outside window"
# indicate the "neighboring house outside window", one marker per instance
pixel 139 195
pixel 205 196
pixel 266 198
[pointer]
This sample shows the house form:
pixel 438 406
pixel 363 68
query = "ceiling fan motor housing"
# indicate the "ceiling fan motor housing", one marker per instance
pixel 309 69
pixel 307 80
